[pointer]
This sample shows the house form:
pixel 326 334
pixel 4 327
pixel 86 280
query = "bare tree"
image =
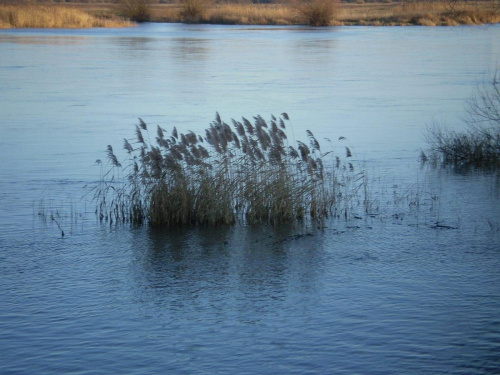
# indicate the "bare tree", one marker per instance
pixel 483 108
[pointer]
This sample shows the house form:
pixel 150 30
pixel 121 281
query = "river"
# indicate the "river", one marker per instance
pixel 387 294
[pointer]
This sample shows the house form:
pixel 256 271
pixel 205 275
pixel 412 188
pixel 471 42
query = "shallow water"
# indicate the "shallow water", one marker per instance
pixel 377 295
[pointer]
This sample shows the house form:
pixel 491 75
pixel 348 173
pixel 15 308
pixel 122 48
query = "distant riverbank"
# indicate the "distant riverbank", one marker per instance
pixel 56 16
pixel 316 13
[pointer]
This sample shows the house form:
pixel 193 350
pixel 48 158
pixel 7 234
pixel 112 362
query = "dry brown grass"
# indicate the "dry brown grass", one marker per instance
pixel 424 13
pixel 288 12
pixel 229 14
pixel 49 16
pixel 253 14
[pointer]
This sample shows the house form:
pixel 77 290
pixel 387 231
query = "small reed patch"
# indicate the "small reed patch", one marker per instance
pixel 479 145
pixel 248 172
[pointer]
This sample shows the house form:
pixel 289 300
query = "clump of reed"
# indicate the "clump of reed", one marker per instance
pixel 479 145
pixel 464 149
pixel 250 172
pixel 38 16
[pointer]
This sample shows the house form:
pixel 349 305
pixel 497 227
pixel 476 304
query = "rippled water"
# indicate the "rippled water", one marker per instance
pixel 381 295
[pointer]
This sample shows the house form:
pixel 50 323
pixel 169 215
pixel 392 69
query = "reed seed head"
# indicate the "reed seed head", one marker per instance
pixel 245 170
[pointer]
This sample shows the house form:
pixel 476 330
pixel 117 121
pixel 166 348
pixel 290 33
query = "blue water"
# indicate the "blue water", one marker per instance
pixel 386 300
pixel 387 294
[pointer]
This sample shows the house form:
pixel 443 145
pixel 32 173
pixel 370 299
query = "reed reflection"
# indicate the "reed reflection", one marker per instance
pixel 240 269
pixel 56 40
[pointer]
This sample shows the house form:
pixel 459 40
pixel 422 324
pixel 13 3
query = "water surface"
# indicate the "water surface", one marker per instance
pixel 387 294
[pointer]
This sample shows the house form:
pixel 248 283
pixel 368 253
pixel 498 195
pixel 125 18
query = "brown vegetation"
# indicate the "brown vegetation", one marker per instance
pixel 318 12
pixel 207 11
pixel 135 10
pixel 47 16
pixel 424 13
pixel 286 12
pixel 331 12
pixel 194 11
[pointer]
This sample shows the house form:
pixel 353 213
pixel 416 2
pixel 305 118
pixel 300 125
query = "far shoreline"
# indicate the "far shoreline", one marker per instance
pixel 96 15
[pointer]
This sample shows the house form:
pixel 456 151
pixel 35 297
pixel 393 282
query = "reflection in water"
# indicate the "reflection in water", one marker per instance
pixel 43 40
pixel 135 43
pixel 189 49
pixel 190 57
pixel 183 49
pixel 316 46
pixel 243 267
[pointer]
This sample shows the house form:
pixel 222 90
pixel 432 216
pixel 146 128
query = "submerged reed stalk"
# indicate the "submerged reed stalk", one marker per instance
pixel 247 171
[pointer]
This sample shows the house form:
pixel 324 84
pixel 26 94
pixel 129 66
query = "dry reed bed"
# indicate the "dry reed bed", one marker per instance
pixel 424 13
pixel 37 16
pixel 248 173
pixel 226 14
pixel 317 12
pixel 250 14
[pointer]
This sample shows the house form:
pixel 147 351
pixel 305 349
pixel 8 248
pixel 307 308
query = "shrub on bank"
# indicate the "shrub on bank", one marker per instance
pixel 136 10
pixel 194 11
pixel 318 12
